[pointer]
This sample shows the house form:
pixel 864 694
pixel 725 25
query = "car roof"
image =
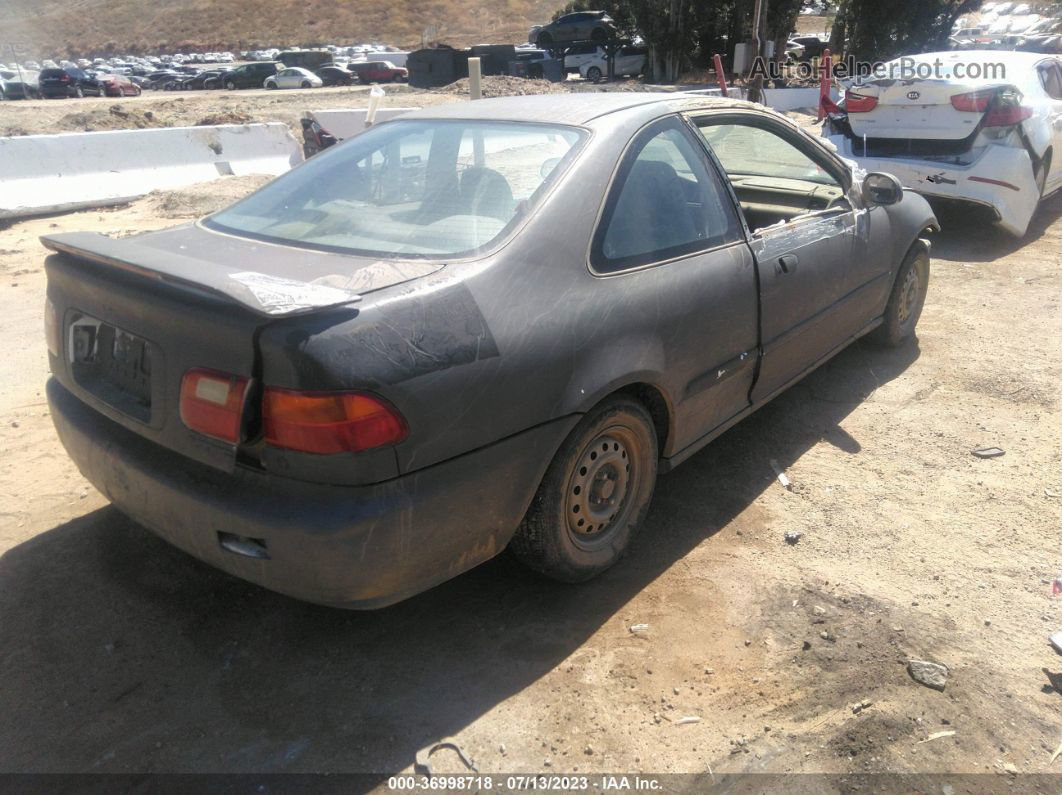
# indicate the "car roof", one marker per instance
pixel 578 108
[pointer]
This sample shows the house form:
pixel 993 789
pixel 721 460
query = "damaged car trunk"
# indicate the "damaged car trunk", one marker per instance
pixel 158 327
pixel 973 126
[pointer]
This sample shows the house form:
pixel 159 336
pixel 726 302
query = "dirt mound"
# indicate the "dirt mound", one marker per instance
pixel 633 84
pixel 198 200
pixel 116 117
pixel 225 117
pixel 500 86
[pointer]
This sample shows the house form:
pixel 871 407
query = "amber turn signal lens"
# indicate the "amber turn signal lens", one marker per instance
pixel 330 422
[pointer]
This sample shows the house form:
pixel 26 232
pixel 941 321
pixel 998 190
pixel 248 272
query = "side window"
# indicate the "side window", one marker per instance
pixel 1049 78
pixel 775 181
pixel 665 202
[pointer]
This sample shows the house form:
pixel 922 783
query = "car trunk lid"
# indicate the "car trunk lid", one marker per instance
pixel 919 109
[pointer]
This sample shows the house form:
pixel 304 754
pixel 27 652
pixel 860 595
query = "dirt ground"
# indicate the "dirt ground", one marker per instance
pixel 122 654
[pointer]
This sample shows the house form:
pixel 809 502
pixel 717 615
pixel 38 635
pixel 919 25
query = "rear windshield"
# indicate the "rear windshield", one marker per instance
pixel 409 189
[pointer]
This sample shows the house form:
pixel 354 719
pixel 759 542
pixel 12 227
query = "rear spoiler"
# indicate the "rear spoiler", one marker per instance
pixel 272 296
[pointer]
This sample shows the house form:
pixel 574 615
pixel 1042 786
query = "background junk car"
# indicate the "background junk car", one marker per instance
pixel 482 325
pixel 989 140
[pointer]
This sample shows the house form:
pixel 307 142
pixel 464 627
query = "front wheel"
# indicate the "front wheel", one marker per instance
pixel 79 92
pixel 906 300
pixel 305 83
pixel 231 86
pixel 593 74
pixel 594 495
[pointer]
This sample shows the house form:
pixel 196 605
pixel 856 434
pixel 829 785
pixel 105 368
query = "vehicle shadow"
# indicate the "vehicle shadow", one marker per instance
pixel 124 654
pixel 969 234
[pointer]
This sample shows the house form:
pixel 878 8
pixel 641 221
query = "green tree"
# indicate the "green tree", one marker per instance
pixel 872 30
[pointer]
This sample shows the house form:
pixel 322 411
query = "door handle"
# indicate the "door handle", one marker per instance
pixel 787 263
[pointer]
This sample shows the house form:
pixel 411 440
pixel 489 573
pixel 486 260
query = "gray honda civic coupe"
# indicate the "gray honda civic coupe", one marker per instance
pixel 480 326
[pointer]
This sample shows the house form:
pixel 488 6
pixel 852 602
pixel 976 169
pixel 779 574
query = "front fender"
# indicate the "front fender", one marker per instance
pixel 909 219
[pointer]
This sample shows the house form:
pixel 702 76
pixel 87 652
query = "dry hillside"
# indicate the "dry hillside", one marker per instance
pixel 42 28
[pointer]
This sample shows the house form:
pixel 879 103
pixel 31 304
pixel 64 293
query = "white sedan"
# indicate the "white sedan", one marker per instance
pixel 629 61
pixel 293 77
pixel 978 126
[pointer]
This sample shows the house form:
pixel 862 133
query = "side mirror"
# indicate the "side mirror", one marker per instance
pixel 880 188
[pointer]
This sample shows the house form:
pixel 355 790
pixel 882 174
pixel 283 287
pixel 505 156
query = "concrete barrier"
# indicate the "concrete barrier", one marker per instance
pixel 342 123
pixel 783 99
pixel 54 173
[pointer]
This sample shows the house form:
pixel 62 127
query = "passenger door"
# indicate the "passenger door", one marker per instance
pixel 802 223
pixel 671 257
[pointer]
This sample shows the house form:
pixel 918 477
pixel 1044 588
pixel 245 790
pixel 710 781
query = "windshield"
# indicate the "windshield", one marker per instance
pixel 421 189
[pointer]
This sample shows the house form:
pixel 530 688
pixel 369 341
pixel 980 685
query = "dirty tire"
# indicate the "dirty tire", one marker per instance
pixel 231 86
pixel 593 74
pixel 306 84
pixel 906 300
pixel 594 495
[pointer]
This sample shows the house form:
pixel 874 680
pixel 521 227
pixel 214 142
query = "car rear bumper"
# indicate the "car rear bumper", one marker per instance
pixel 1014 206
pixel 356 547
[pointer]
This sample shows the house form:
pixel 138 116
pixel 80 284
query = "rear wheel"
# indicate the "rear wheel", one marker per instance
pixel 906 300
pixel 79 92
pixel 594 495
pixel 231 86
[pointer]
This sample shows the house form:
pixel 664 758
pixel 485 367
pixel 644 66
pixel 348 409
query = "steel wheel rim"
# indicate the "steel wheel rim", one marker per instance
pixel 908 295
pixel 599 492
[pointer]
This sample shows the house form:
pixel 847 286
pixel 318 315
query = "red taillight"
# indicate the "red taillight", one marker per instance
pixel 859 103
pixel 329 422
pixel 1006 115
pixel 974 102
pixel 65 78
pixel 212 403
